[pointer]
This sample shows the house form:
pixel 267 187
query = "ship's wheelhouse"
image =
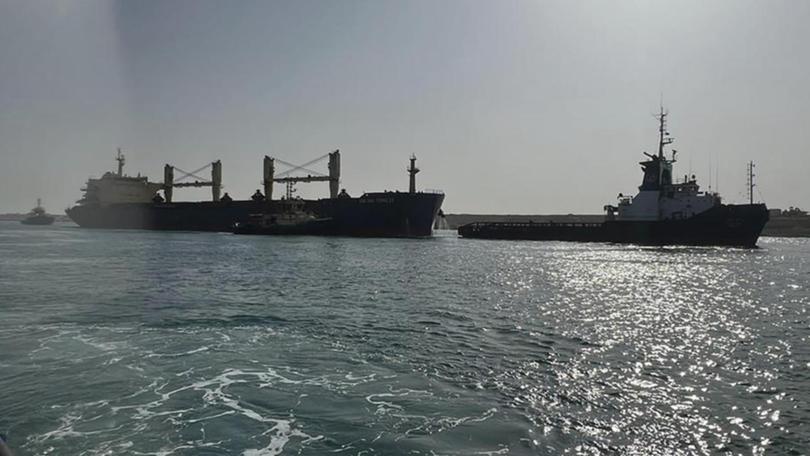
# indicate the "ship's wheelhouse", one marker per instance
pixel 657 173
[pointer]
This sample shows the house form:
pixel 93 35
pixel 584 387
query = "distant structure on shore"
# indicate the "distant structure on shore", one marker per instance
pixel 789 212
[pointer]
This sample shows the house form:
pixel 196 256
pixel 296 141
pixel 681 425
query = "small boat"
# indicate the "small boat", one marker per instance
pixel 38 216
pixel 291 220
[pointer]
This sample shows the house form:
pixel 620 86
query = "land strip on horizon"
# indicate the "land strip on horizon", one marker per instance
pixel 780 226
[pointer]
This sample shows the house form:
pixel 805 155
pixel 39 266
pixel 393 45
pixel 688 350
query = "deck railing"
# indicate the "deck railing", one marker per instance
pixel 530 224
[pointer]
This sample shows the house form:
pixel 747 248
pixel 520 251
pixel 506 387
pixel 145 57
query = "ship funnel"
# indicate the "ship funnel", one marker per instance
pixel 216 179
pixel 334 174
pixel 269 173
pixel 168 182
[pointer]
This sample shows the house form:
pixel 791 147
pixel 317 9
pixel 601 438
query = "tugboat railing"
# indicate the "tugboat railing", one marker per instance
pixel 530 224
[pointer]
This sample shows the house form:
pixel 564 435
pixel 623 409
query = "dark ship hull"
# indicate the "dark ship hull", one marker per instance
pixel 38 220
pixel 316 227
pixel 724 225
pixel 389 214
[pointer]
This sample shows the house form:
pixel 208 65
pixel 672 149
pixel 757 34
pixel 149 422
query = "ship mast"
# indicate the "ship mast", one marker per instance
pixel 750 182
pixel 412 170
pixel 120 159
pixel 663 134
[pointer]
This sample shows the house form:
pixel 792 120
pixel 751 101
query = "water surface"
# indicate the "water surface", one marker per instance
pixel 153 343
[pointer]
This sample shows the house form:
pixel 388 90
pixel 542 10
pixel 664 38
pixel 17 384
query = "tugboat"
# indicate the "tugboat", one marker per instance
pixel 662 213
pixel 290 217
pixel 38 216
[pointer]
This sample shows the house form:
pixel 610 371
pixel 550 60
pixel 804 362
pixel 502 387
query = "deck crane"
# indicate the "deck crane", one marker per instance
pixel 313 176
pixel 170 183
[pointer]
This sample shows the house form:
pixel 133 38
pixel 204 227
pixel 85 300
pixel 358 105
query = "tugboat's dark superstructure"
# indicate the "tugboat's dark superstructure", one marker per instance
pixel 662 213
pixel 119 201
pixel 38 216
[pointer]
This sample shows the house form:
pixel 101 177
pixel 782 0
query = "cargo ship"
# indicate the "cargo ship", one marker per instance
pixel 663 212
pixel 119 201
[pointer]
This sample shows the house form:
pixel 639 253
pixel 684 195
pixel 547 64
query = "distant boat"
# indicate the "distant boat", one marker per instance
pixel 38 216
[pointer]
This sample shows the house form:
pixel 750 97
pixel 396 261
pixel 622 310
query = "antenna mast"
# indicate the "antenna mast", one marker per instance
pixel 120 158
pixel 290 189
pixel 662 132
pixel 750 182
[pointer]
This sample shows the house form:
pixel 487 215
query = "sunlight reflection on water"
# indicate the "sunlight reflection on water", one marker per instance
pixel 179 343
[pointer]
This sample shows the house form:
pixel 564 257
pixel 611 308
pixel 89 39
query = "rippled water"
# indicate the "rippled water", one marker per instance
pixel 149 343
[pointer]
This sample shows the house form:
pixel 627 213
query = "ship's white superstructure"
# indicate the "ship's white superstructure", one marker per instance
pixel 117 188
pixel 114 188
pixel 659 198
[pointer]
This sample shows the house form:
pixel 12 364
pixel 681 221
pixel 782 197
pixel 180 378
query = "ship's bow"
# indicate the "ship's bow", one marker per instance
pixel 384 214
pixel 746 222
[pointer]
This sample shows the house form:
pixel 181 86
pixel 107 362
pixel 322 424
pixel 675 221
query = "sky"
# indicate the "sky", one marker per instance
pixel 535 107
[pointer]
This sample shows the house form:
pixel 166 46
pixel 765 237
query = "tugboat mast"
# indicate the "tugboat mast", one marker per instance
pixel 662 132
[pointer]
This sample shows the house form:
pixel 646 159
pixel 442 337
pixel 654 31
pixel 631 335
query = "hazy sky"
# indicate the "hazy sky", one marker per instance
pixel 510 106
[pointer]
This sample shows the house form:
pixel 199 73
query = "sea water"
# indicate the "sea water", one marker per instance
pixel 174 343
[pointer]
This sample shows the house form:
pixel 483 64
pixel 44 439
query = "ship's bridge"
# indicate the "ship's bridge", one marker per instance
pixel 659 198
